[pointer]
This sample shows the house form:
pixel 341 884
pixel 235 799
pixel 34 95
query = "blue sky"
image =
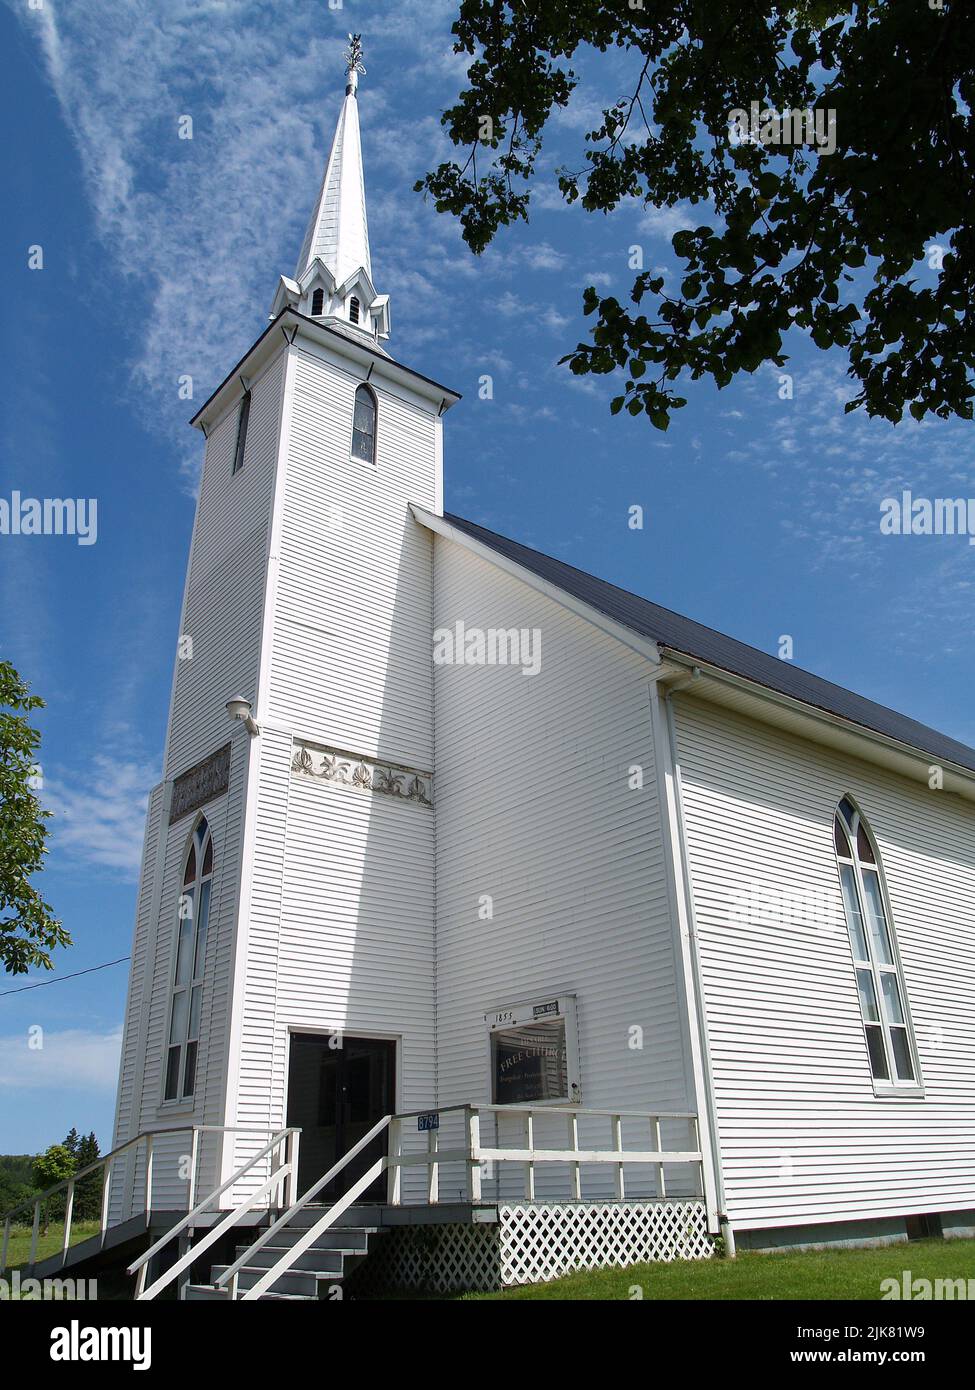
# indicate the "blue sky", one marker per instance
pixel 160 259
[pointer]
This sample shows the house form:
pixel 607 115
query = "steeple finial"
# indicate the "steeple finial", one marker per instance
pixel 353 64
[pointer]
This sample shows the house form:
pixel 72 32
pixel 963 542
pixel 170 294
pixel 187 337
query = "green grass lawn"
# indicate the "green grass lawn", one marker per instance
pixel 19 1247
pixel 820 1274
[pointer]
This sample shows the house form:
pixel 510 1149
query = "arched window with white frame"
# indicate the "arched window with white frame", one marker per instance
pixel 880 983
pixel 193 918
pixel 364 415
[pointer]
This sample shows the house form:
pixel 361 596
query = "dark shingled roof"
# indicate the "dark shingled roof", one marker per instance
pixel 703 644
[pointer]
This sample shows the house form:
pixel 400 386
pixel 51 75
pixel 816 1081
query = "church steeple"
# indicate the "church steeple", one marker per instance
pixel 333 279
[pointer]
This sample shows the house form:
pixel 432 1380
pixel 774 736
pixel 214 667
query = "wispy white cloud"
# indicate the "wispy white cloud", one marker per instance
pixel 664 222
pixel 99 812
pixel 541 256
pixel 838 468
pixel 200 227
pixel 528 314
pixel 74 1057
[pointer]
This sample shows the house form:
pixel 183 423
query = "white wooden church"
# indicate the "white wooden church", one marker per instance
pixel 483 897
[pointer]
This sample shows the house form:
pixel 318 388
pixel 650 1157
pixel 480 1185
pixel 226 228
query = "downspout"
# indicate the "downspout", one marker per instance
pixel 669 687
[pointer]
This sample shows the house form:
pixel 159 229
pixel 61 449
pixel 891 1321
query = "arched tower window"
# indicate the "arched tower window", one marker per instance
pixel 883 1000
pixel 354 309
pixel 191 935
pixel 364 425
pixel 318 301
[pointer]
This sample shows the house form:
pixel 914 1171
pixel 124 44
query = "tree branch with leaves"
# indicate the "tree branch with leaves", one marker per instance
pixel 29 931
pixel 794 238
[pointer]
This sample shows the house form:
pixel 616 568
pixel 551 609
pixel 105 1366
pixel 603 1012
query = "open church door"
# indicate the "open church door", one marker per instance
pixel 335 1096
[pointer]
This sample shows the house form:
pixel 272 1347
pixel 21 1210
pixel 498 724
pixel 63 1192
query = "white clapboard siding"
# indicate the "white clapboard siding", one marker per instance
pixel 138 993
pixel 341 918
pixel 224 817
pixel 352 620
pixel 222 617
pixel 227 572
pixel 534 810
pixel 803 1136
pixel 341 931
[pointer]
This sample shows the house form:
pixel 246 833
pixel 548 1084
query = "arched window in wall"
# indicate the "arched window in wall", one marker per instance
pixel 883 1000
pixel 364 425
pixel 191 936
pixel 354 310
pixel 318 301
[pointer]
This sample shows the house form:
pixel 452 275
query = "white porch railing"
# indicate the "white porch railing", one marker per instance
pixel 109 1164
pixel 528 1153
pixel 282 1153
pixel 472 1154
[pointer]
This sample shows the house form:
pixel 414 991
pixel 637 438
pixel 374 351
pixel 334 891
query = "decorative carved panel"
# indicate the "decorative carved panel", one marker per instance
pixel 362 774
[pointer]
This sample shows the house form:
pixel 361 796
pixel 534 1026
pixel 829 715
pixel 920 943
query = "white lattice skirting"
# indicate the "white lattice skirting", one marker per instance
pixel 533 1242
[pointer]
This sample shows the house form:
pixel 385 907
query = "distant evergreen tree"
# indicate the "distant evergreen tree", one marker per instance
pixel 88 1192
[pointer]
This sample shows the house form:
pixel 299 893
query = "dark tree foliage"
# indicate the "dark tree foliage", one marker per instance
pixel 88 1192
pixel 789 235
pixel 16 1180
pixel 28 928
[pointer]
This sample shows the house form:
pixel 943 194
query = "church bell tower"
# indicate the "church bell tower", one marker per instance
pixel 300 829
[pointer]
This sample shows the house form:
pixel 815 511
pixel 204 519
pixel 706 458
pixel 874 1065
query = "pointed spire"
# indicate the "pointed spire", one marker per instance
pixel 338 232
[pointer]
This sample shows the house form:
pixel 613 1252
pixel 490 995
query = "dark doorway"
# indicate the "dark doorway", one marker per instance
pixel 335 1096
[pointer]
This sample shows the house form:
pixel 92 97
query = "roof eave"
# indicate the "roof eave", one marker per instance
pixel 962 778
pixel 671 664
pixel 287 318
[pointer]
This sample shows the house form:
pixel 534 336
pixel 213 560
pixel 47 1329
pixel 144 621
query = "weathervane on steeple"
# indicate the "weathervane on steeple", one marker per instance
pixel 353 62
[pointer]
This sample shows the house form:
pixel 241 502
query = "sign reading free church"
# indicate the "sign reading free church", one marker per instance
pixel 534 1053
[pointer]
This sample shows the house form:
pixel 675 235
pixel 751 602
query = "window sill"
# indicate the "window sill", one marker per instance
pixel 883 1092
pixel 177 1107
pixel 564 1103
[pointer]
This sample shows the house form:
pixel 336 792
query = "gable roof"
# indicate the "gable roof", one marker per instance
pixel 684 637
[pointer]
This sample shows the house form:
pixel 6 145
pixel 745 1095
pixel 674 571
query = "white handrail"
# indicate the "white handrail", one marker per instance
pixel 212 1235
pixel 106 1163
pixel 313 1232
pixel 201 1207
pixel 303 1201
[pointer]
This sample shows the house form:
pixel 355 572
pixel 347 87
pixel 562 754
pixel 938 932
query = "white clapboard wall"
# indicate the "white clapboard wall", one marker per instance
pixel 534 811
pixel 223 619
pixel 803 1136
pixel 341 916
